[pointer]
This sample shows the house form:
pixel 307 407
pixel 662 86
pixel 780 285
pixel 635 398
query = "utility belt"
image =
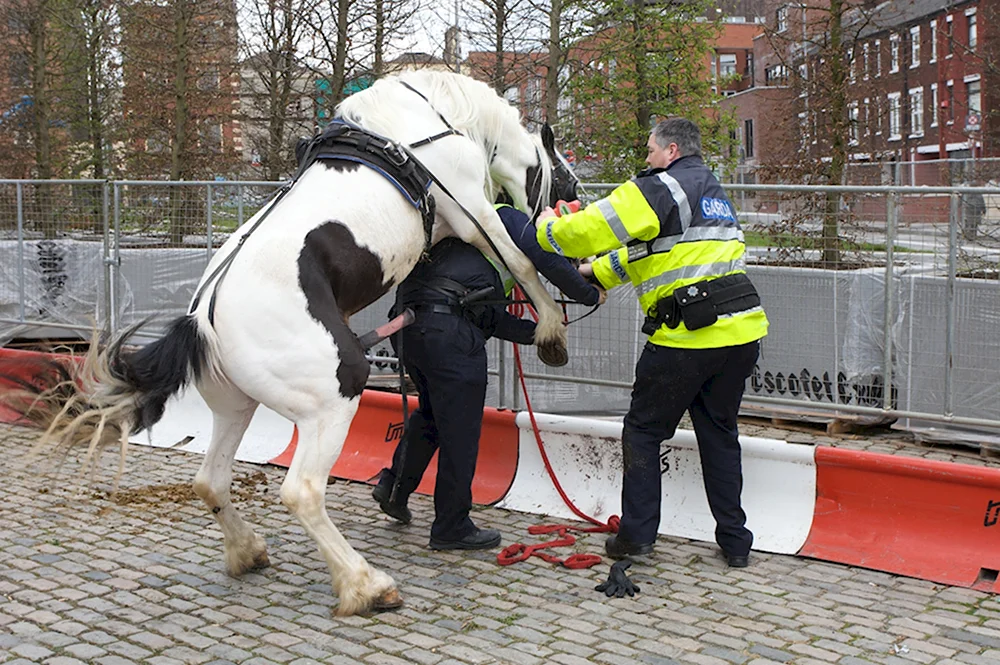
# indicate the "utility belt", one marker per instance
pixel 699 305
pixel 457 295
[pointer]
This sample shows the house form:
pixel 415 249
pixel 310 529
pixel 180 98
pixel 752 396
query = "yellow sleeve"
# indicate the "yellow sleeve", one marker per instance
pixel 610 268
pixel 606 224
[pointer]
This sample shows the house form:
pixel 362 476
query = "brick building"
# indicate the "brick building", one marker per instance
pixel 919 86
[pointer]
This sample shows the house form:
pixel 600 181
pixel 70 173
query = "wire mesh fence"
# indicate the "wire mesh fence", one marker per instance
pixel 866 288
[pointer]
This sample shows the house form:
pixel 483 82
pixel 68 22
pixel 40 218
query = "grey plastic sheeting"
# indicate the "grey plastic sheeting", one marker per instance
pixel 825 342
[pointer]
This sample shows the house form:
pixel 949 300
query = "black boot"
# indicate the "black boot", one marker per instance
pixel 382 492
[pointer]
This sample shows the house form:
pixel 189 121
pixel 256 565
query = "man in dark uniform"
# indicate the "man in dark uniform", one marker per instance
pixel 445 355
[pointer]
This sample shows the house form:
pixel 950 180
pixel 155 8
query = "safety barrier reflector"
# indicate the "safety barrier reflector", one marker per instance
pixel 779 481
pixel 937 521
pixel 378 426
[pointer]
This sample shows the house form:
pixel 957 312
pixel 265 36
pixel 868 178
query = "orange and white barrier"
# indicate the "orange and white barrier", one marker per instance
pixel 932 520
pixel 779 481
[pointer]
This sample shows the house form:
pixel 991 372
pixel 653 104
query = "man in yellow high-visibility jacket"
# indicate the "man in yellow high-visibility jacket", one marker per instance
pixel 672 233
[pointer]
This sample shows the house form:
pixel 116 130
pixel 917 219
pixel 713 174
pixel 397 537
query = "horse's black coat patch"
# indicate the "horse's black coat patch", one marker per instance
pixel 340 165
pixel 339 278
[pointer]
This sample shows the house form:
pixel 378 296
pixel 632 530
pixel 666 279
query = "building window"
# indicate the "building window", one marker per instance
pixel 951 102
pixel 895 117
pixel 915 46
pixel 803 130
pixel 727 65
pixel 850 66
pixel 973 32
pixel 776 75
pixel 893 54
pixel 748 138
pixel 878 116
pixel 803 79
pixel 917 112
pixel 512 95
pixel 781 19
pixel 973 97
pixel 949 36
pixel 934 40
pixel 865 60
pixel 853 116
pixel 878 58
pixel 867 118
pixel 934 104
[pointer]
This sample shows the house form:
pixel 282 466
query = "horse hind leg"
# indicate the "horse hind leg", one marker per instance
pixel 321 438
pixel 232 411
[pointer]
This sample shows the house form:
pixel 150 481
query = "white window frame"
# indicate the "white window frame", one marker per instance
pixel 878 58
pixel 851 74
pixel 878 116
pixel 972 29
pixel 914 47
pixel 916 102
pixel 893 54
pixel 895 116
pixel 934 37
pixel 868 117
pixel 735 63
pixel 975 78
pixel 781 18
pixel 950 84
pixel 853 117
pixel 865 60
pixel 934 105
pixel 950 35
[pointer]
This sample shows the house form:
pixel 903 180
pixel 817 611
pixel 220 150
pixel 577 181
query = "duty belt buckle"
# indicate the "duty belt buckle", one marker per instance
pixel 395 154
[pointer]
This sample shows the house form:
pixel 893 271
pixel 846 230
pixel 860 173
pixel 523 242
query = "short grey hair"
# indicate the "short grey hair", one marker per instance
pixel 681 131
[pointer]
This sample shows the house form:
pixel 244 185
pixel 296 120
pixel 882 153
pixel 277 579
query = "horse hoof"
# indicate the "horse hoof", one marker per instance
pixel 390 600
pixel 553 355
pixel 261 561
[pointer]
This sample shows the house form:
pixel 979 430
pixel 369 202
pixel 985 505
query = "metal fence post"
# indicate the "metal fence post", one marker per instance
pixel 239 206
pixel 20 245
pixel 949 333
pixel 502 374
pixel 208 220
pixel 115 260
pixel 106 223
pixel 890 243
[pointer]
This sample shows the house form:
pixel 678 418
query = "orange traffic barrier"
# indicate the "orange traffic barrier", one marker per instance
pixel 378 426
pixel 936 521
pixel 18 368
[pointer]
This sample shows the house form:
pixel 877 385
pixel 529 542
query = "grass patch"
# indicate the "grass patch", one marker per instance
pixel 799 241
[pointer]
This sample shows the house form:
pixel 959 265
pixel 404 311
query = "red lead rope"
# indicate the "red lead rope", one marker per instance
pixel 519 551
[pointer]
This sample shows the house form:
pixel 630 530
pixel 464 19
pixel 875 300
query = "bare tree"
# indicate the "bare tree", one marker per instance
pixel 335 25
pixel 501 28
pixel 92 81
pixel 383 25
pixel 274 79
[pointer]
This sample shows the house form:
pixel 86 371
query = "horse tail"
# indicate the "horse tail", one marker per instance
pixel 116 390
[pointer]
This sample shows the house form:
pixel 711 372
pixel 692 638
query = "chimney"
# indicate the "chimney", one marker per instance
pixel 452 37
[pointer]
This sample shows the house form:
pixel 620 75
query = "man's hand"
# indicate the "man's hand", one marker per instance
pixel 546 213
pixel 603 294
pixel 618 583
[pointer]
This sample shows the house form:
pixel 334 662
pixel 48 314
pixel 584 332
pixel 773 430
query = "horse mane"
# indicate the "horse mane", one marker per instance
pixel 472 107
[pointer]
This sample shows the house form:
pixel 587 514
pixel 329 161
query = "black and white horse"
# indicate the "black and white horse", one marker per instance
pixel 278 333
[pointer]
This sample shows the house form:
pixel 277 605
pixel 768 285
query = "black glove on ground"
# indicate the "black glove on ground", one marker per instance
pixel 618 583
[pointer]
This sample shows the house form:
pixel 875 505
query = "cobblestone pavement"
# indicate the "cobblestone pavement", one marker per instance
pixel 140 579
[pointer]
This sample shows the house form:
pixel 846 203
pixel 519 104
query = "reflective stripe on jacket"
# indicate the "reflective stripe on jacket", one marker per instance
pixel 668 228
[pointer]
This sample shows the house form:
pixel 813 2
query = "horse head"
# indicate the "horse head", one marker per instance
pixel 541 173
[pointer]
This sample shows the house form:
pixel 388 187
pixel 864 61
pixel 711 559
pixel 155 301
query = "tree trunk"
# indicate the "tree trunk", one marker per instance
pixel 339 78
pixel 42 112
pixel 554 62
pixel 178 147
pixel 643 109
pixel 499 25
pixel 378 65
pixel 838 138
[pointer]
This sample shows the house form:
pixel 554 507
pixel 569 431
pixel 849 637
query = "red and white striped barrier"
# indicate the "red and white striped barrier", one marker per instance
pixel 932 520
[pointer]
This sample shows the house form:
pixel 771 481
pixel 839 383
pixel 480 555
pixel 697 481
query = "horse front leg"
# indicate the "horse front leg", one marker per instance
pixel 321 438
pixel 550 335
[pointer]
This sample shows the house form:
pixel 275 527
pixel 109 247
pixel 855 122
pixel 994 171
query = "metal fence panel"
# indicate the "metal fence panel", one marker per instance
pixel 865 287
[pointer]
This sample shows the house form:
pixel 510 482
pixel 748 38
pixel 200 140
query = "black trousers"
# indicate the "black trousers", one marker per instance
pixel 445 356
pixel 709 384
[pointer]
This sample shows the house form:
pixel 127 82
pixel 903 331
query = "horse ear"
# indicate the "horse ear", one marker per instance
pixel 548 138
